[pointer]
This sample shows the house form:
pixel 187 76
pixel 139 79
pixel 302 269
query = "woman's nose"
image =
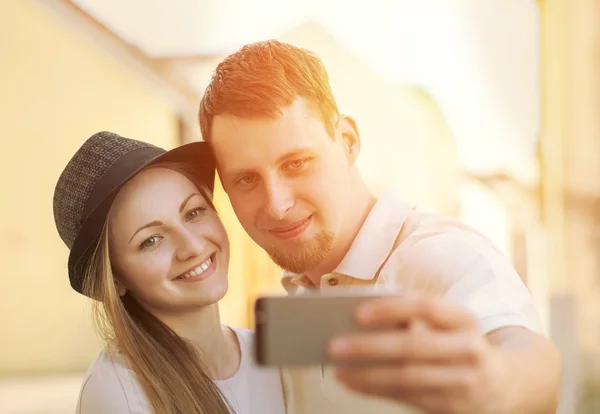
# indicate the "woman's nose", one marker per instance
pixel 190 245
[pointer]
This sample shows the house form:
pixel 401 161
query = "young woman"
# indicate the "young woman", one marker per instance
pixel 148 246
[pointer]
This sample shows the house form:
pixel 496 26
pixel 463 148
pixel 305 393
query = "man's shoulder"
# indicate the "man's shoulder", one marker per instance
pixel 424 229
pixel 435 250
pixel 414 222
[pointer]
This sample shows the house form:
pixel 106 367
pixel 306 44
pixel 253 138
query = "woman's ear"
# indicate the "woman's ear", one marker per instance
pixel 121 289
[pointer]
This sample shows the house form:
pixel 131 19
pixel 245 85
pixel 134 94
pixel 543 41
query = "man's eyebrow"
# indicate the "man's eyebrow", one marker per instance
pixel 290 154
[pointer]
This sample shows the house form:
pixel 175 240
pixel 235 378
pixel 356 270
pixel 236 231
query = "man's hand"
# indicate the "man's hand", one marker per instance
pixel 424 352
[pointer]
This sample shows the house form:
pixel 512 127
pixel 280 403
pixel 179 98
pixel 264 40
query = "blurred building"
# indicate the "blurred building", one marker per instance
pixel 570 156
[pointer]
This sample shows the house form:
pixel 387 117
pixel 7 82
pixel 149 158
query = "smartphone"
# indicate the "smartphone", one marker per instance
pixel 295 330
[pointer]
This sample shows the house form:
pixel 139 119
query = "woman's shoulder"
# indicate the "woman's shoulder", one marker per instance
pixel 109 386
pixel 243 334
pixel 255 387
pixel 249 366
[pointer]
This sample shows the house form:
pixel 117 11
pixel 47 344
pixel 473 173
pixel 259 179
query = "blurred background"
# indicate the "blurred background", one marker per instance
pixel 485 110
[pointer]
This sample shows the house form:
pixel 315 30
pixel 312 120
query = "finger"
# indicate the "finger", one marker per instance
pixel 394 380
pixel 408 345
pixel 401 310
pixel 432 402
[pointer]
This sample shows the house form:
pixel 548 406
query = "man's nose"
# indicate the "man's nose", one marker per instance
pixel 279 199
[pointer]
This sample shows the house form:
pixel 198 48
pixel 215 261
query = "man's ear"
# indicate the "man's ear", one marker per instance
pixel 348 132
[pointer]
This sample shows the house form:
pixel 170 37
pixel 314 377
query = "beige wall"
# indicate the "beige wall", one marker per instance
pixel 56 89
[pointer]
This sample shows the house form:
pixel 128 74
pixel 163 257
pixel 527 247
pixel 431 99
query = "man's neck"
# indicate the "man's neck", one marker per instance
pixel 363 202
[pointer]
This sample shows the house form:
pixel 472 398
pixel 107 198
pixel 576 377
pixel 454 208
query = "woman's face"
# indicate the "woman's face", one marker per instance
pixel 168 248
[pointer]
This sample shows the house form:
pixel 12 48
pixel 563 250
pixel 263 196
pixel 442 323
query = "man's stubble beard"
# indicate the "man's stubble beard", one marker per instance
pixel 303 257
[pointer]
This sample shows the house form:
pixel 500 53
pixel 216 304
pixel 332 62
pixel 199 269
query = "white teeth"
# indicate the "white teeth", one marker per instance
pixel 199 270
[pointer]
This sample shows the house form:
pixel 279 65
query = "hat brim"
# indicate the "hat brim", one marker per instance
pixel 196 155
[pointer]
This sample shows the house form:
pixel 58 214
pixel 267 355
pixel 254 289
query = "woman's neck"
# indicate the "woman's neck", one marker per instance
pixel 217 344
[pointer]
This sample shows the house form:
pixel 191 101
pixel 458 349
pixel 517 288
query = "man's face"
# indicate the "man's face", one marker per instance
pixel 288 181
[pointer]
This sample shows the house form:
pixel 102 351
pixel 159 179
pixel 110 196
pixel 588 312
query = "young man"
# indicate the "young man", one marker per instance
pixel 286 157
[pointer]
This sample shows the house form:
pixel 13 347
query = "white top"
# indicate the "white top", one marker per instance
pixel 110 387
pixel 436 254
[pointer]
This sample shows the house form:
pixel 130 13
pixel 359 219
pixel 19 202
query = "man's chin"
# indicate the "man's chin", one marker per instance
pixel 292 265
pixel 306 258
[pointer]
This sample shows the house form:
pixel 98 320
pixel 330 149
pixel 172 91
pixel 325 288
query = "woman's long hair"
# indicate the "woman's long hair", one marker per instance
pixel 168 368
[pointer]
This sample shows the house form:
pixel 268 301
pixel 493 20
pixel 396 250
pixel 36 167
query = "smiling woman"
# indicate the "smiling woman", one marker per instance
pixel 164 234
pixel 148 245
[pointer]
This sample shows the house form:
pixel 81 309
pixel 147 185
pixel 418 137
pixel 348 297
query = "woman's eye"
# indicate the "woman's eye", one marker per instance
pixel 150 242
pixel 192 214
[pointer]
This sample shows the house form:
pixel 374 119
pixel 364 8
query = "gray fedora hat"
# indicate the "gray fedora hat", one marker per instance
pixel 92 178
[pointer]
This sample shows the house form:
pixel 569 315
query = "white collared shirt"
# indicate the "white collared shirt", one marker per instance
pixel 436 254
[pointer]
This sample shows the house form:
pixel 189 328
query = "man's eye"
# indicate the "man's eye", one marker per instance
pixel 247 180
pixel 297 163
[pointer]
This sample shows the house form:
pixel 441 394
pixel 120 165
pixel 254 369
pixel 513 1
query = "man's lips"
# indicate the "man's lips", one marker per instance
pixel 292 230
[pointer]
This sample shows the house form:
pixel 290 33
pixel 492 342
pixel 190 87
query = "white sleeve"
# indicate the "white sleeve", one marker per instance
pixel 475 275
pixel 105 392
